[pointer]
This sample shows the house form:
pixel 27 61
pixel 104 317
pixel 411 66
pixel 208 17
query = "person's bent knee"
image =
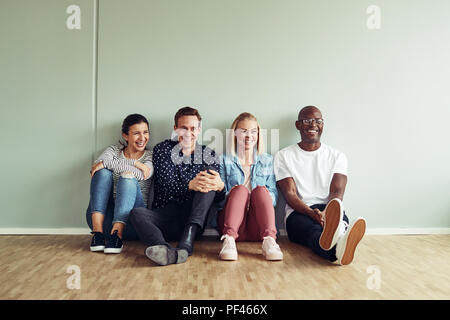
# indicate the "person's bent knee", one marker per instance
pixel 127 175
pixel 103 173
pixel 204 195
pixel 138 212
pixel 260 189
pixel 239 188
pixel 261 192
pixel 134 213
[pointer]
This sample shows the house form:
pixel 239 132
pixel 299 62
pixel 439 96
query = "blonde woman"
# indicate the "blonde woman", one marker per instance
pixel 251 193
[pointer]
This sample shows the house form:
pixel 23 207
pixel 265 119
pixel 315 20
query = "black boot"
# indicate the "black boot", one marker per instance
pixel 188 237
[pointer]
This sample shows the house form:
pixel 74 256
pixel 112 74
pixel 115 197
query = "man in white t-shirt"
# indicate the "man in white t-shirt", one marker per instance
pixel 312 177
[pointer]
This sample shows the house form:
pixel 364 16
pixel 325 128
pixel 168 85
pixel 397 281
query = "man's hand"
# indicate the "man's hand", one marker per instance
pixel 96 167
pixel 212 179
pixel 196 185
pixel 145 170
pixel 319 216
pixel 206 181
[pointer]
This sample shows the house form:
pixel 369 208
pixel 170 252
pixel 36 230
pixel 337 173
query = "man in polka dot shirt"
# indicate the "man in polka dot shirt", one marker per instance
pixel 186 183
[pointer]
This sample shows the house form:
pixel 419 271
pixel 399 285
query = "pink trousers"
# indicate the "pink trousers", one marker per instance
pixel 248 216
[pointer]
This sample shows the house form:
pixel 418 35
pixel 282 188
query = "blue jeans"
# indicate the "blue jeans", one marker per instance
pixel 128 197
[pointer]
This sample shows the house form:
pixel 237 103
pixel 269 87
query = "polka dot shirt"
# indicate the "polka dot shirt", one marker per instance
pixel 173 171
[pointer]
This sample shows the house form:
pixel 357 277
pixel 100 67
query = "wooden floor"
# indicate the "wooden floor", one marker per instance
pixel 409 267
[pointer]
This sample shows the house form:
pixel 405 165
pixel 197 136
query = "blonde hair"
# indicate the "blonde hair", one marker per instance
pixel 232 137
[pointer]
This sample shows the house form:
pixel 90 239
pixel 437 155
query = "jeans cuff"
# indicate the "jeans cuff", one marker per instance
pixel 96 211
pixel 118 221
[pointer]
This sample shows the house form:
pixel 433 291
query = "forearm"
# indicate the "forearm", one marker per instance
pixel 176 189
pixel 298 205
pixel 337 187
pixel 334 195
pixel 172 184
pixel 123 167
pixel 167 175
pixel 110 159
pixel 118 165
pixel 146 168
pixel 150 165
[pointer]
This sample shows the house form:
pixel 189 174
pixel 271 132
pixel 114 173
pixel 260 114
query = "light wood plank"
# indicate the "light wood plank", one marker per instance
pixel 412 267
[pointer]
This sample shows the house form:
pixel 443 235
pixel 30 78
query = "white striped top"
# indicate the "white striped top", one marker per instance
pixel 114 160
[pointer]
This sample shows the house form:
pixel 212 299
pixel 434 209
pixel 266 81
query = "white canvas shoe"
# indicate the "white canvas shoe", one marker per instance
pixel 271 250
pixel 346 246
pixel 333 227
pixel 228 251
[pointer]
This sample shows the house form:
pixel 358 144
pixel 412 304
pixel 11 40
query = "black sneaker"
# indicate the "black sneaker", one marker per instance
pixel 98 241
pixel 114 244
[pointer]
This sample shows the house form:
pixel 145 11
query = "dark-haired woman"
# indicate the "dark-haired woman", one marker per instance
pixel 120 182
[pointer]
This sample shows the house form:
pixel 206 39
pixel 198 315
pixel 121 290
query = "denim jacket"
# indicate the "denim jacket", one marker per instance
pixel 261 172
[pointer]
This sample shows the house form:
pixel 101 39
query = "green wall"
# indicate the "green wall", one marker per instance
pixel 383 93
pixel 46 113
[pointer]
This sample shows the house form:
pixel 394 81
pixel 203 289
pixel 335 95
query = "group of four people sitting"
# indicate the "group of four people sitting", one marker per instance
pixel 188 178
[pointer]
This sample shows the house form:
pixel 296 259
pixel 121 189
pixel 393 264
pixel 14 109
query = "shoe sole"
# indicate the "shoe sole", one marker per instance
pixel 164 256
pixel 355 235
pixel 113 250
pixel 333 216
pixel 189 252
pixel 97 248
pixel 273 257
pixel 228 257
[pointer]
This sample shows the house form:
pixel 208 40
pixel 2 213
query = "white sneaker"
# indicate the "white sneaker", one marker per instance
pixel 333 227
pixel 271 250
pixel 228 251
pixel 346 246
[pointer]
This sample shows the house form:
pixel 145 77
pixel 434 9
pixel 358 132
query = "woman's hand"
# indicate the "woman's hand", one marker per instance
pixel 95 167
pixel 145 170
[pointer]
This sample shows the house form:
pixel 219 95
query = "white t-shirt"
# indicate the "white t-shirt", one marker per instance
pixel 312 171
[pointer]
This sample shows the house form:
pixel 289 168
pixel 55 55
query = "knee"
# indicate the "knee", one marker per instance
pixel 127 175
pixel 260 189
pixel 261 192
pixel 135 214
pixel 239 189
pixel 204 195
pixel 103 173
pixel 238 193
pixel 127 180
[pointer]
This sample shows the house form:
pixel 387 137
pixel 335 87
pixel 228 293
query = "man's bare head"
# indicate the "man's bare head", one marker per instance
pixel 306 111
pixel 310 125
